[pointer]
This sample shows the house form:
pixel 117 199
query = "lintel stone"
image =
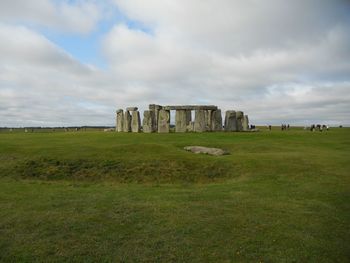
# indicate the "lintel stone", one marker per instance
pixel 191 107
pixel 131 108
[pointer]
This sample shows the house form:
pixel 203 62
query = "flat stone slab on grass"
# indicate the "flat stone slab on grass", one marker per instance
pixel 206 150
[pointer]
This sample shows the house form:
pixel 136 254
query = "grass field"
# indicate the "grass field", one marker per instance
pixel 115 197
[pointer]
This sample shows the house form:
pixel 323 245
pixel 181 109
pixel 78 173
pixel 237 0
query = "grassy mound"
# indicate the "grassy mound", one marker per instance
pixel 147 171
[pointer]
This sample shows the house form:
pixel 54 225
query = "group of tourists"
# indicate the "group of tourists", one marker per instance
pixel 285 127
pixel 319 127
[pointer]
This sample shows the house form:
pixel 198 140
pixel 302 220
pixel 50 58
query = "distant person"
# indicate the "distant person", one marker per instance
pixel 270 127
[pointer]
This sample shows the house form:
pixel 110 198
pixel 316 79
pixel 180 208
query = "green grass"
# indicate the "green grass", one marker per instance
pixel 115 197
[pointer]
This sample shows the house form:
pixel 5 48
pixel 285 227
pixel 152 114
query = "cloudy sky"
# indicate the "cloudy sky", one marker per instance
pixel 74 62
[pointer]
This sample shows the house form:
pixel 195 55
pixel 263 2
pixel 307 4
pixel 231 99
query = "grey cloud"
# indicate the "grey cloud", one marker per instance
pixel 66 16
pixel 277 61
pixel 235 27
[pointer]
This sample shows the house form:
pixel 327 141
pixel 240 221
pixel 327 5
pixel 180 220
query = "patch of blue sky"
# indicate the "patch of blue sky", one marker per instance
pixel 86 48
pixel 136 25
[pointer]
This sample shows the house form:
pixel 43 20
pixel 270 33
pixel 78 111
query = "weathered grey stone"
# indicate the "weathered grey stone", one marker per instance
pixel 206 150
pixel 131 108
pixel 163 121
pixel 230 121
pixel 216 120
pixel 156 109
pixel 181 121
pixel 127 122
pixel 135 121
pixel 199 121
pixel 119 120
pixel 245 123
pixel 208 119
pixel 148 122
pixel 239 117
pixel 188 116
pixel 190 126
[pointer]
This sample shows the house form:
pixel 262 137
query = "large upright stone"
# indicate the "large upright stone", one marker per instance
pixel 155 108
pixel 208 118
pixel 127 122
pixel 119 121
pixel 188 116
pixel 190 126
pixel 163 121
pixel 216 120
pixel 148 122
pixel 239 117
pixel 135 121
pixel 181 121
pixel 230 121
pixel 245 123
pixel 199 121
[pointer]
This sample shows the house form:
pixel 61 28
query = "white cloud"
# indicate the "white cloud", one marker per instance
pixel 236 26
pixel 231 52
pixel 278 62
pixel 67 16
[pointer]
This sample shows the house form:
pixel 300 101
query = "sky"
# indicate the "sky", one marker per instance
pixel 75 62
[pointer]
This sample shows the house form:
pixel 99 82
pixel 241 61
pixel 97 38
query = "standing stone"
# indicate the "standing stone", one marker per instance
pixel 208 119
pixel 181 121
pixel 190 126
pixel 148 122
pixel 239 117
pixel 216 120
pixel 163 121
pixel 135 121
pixel 245 123
pixel 188 116
pixel 120 120
pixel 116 121
pixel 230 121
pixel 127 122
pixel 155 108
pixel 199 121
pixel 156 111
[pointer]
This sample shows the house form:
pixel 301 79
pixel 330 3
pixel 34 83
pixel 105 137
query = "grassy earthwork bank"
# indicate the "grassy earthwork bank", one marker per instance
pixel 116 197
